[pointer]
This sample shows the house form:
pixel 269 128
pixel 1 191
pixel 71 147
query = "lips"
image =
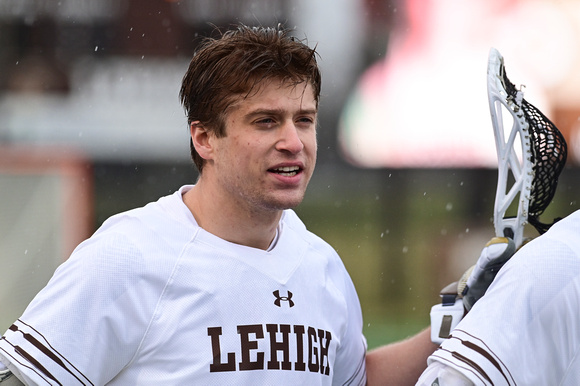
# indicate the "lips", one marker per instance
pixel 286 171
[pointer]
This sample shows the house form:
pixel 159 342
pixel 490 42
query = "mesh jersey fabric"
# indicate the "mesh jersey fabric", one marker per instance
pixel 526 329
pixel 151 298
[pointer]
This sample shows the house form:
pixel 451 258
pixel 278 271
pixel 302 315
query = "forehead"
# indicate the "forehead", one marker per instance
pixel 278 94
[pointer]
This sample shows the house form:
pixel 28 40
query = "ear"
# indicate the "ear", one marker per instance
pixel 200 139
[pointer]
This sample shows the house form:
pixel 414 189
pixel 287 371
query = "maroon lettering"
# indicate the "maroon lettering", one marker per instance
pixel 312 351
pixel 275 346
pixel 299 365
pixel 324 336
pixel 248 345
pixel 217 365
pixel 280 346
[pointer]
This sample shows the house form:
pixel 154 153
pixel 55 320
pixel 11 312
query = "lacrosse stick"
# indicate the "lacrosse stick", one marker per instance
pixel 535 175
pixel 543 155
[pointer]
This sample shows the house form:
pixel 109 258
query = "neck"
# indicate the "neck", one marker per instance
pixel 231 220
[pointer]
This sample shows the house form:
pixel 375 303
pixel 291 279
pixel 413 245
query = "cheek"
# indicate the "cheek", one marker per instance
pixel 310 143
pixel 239 150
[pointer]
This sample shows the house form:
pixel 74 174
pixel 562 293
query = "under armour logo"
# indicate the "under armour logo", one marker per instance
pixel 279 298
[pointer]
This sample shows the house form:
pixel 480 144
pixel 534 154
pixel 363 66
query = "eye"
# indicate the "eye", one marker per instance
pixel 265 122
pixel 305 121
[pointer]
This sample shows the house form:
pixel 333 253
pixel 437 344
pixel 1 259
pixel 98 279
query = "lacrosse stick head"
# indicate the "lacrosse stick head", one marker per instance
pixel 531 155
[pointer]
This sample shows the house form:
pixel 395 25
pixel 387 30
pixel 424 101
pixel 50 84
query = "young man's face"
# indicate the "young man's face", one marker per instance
pixel 268 154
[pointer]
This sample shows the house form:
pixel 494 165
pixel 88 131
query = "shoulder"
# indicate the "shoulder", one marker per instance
pixel 291 221
pixel 565 231
pixel 320 253
pixel 157 224
pixel 134 243
pixel 556 252
pixel 155 215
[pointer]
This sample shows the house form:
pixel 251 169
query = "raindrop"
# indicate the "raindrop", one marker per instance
pixel 405 249
pixel 449 206
pixel 96 48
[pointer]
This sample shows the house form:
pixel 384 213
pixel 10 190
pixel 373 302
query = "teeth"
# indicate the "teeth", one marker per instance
pixel 287 170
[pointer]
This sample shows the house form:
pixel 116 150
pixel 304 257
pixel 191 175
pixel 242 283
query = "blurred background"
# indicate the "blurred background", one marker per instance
pixel 91 125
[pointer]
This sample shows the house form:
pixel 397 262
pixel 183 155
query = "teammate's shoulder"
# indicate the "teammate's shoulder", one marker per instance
pixel 561 240
pixel 567 225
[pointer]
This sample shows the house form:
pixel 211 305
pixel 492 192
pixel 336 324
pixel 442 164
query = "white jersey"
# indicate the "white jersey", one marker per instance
pixel 526 329
pixel 151 298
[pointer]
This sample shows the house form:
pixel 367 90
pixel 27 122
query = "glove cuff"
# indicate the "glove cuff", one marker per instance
pixel 444 319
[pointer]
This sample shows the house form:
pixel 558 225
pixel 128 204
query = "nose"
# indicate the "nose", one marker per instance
pixel 289 139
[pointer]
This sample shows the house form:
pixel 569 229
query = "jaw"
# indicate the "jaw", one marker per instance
pixel 288 192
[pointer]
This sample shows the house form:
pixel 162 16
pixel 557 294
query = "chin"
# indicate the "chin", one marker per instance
pixel 287 203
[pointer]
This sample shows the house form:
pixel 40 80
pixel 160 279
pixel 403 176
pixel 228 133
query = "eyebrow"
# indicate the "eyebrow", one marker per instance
pixel 279 112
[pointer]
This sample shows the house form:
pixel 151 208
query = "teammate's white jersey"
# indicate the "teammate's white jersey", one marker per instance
pixel 153 299
pixel 526 329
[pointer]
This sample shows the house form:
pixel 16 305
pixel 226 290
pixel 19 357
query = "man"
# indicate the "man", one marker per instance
pixel 526 329
pixel 219 283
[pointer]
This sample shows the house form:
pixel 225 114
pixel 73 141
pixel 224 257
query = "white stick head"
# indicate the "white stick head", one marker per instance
pixel 531 154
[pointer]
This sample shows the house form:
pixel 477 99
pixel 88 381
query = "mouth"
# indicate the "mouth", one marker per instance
pixel 287 171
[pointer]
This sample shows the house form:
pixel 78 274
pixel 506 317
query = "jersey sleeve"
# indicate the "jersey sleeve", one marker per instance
pixel 527 320
pixel 442 375
pixel 87 323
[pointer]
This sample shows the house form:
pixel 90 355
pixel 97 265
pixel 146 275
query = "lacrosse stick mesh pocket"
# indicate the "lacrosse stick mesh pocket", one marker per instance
pixel 548 152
